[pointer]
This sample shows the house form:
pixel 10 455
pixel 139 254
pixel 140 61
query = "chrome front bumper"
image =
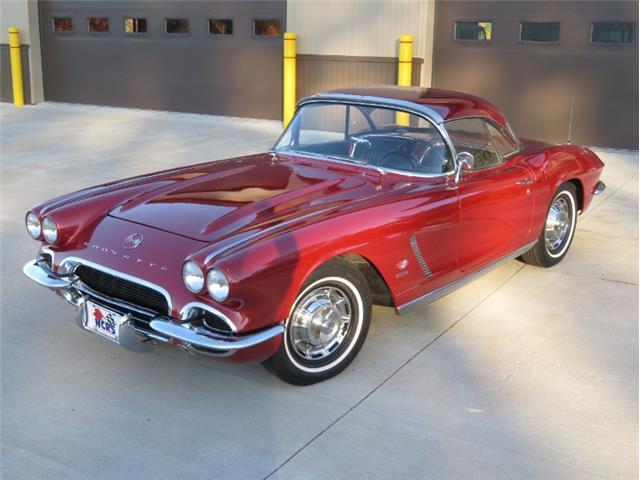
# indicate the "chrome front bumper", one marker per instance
pixel 599 188
pixel 164 327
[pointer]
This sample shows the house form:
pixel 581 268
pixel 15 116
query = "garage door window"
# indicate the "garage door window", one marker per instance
pixel 63 24
pixel 545 32
pixel 176 26
pixel 474 31
pixel 135 26
pixel 612 33
pixel 220 26
pixel 266 28
pixel 98 25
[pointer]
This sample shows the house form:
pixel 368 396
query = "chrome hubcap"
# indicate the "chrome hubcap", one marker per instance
pixel 320 322
pixel 558 224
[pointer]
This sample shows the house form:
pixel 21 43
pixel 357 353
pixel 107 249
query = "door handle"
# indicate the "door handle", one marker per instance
pixel 525 181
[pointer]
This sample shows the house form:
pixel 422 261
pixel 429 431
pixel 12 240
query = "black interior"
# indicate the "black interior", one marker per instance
pixel 394 149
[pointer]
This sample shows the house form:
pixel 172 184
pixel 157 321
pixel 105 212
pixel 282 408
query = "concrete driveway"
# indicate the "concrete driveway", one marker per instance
pixel 525 373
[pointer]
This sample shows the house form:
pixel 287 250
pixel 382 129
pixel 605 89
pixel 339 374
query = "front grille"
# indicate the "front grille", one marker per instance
pixel 120 289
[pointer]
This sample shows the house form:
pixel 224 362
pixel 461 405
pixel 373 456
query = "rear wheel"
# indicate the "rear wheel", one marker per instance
pixel 557 233
pixel 327 326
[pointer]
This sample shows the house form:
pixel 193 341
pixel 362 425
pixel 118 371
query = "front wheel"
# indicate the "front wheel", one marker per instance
pixel 557 233
pixel 327 326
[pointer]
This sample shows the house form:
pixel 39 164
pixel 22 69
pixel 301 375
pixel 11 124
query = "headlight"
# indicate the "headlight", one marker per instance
pixel 192 276
pixel 49 230
pixel 33 225
pixel 217 284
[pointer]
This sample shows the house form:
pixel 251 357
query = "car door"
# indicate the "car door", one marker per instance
pixel 494 197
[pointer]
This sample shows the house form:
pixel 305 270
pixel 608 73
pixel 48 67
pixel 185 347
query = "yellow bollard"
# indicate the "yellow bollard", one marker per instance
pixel 289 78
pixel 404 60
pixel 404 71
pixel 16 66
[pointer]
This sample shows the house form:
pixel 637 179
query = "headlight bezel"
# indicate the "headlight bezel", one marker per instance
pixel 192 269
pixel 50 230
pixel 217 284
pixel 36 234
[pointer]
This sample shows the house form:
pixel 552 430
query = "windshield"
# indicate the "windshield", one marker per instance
pixel 380 137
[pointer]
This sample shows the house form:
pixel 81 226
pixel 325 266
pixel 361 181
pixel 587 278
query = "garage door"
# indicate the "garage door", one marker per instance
pixel 535 60
pixel 221 58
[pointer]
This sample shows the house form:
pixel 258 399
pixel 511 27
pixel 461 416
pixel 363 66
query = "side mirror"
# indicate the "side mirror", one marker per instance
pixel 466 161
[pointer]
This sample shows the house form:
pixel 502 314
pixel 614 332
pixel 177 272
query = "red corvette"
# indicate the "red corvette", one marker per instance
pixel 386 195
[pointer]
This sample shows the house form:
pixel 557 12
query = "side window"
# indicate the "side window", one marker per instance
pixel 470 135
pixel 357 121
pixel 503 142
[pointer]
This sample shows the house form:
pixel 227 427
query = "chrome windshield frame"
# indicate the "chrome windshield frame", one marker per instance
pixel 421 111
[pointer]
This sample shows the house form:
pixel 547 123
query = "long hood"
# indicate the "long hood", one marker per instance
pixel 221 199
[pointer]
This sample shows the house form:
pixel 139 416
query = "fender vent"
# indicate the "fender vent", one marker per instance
pixel 413 241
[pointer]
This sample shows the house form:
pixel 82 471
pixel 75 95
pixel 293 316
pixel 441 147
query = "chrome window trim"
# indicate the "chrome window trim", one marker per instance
pixel 124 276
pixel 421 111
pixel 184 313
pixel 508 129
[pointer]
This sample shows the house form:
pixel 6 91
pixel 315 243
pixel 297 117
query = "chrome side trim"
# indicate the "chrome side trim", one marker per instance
pixel 184 313
pixel 165 326
pixel 116 273
pixel 461 282
pixel 413 241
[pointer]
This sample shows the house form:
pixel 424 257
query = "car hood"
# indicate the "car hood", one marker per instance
pixel 213 201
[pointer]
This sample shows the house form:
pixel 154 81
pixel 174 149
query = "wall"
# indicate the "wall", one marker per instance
pixel 347 42
pixel 24 15
pixel 536 84
pixel 235 75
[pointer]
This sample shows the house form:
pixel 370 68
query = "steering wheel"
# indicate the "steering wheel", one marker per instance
pixel 401 157
pixel 398 161
pixel 355 142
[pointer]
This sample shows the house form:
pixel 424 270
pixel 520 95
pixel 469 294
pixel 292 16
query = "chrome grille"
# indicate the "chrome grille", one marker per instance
pixel 121 289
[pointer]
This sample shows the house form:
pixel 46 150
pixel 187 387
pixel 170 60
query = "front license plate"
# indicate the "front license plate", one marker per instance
pixel 102 321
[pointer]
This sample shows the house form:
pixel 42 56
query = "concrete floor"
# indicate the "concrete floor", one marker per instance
pixel 525 373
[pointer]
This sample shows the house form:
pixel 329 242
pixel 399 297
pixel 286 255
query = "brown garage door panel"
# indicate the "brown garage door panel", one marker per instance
pixel 534 84
pixel 239 75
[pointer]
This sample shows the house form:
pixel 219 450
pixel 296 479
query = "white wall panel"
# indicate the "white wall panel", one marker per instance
pixel 358 27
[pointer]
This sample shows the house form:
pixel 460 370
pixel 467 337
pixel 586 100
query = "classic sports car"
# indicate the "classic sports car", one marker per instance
pixel 377 195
